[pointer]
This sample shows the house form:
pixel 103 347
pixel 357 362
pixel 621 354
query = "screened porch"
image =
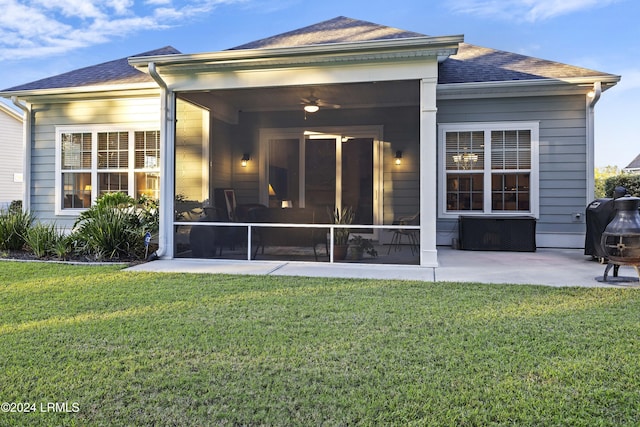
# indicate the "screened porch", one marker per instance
pixel 258 176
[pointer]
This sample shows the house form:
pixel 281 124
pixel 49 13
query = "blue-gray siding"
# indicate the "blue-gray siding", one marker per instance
pixel 562 149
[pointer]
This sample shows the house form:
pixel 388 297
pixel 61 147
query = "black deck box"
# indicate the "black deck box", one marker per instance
pixel 494 233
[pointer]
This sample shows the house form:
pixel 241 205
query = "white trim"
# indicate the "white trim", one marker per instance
pixel 206 124
pixel 94 129
pixel 428 172
pixel 522 88
pixel 440 46
pixel 12 112
pixel 487 127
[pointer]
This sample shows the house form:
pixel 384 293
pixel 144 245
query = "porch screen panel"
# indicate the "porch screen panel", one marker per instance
pixel 357 178
pixel 284 172
pixel 320 173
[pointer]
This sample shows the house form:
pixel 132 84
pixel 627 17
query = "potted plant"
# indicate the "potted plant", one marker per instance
pixel 359 245
pixel 341 235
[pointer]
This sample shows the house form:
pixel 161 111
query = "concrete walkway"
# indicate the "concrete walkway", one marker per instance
pixel 551 267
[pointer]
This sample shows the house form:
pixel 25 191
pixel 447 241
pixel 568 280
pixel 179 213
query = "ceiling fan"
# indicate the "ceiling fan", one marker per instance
pixel 312 104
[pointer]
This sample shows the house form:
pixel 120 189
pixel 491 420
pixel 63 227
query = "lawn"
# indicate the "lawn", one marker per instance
pixel 91 346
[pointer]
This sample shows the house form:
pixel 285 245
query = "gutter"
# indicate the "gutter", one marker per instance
pixel 165 193
pixel 592 99
pixel 595 94
pixel 26 145
pixel 235 55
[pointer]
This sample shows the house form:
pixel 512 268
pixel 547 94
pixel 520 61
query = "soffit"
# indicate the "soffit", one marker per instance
pixel 331 97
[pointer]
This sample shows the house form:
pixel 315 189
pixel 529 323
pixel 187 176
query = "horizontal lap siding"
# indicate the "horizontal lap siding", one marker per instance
pixel 401 187
pixel 46 117
pixel 12 152
pixel 189 152
pixel 563 150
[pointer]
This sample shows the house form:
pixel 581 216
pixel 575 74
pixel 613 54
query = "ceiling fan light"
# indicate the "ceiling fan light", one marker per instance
pixel 311 108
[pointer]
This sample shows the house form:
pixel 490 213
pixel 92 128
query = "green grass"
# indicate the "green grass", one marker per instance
pixel 172 349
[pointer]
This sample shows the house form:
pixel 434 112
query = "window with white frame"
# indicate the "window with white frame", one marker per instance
pixel 91 161
pixel 489 168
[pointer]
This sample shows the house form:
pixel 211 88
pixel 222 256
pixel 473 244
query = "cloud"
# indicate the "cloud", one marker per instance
pixel 524 10
pixel 40 28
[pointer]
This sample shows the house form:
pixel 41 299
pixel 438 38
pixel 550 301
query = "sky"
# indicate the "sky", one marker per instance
pixel 42 38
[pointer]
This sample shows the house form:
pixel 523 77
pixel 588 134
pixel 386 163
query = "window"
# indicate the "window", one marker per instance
pixel 489 168
pixel 97 160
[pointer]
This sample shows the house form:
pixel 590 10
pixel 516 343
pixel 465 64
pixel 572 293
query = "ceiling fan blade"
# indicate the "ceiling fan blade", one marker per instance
pixel 328 104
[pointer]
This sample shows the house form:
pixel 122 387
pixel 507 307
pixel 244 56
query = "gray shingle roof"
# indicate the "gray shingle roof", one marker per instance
pixel 336 30
pixel 471 63
pixel 635 163
pixel 107 73
pixel 480 64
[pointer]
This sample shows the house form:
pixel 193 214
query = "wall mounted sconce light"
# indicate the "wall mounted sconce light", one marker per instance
pixel 245 158
pixel 398 157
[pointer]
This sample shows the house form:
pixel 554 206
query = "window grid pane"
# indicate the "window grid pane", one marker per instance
pixel 465 192
pixel 511 150
pixel 76 151
pixel 113 150
pixel 464 150
pixel 113 182
pixel 148 184
pixel 76 190
pixel 147 150
pixel 510 192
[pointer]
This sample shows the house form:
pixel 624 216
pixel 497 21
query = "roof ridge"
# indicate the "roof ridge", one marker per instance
pixel 334 30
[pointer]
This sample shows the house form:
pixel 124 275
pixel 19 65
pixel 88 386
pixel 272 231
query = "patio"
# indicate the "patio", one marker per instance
pixel 550 267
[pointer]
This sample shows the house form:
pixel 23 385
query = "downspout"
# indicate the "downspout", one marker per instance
pixel 166 207
pixel 26 161
pixel 592 99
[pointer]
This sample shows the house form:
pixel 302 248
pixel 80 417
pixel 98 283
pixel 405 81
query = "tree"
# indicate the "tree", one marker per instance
pixel 601 175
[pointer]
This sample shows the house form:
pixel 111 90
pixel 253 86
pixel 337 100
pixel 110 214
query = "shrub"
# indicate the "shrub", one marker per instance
pixel 41 239
pixel 630 181
pixel 13 227
pixel 63 246
pixel 115 227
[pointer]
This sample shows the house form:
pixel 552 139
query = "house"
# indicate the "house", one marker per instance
pixel 12 150
pixel 340 113
pixel 634 166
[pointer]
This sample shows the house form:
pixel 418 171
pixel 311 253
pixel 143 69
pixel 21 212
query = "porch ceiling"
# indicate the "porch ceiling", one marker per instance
pixel 287 98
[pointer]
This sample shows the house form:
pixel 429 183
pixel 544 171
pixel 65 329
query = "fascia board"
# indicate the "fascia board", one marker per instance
pixel 441 46
pixel 61 94
pixel 11 112
pixel 541 87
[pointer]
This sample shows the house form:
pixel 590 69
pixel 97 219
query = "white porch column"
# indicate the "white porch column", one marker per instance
pixel 167 172
pixel 428 173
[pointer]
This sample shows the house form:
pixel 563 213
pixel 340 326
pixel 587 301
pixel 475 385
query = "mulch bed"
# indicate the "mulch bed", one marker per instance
pixel 28 256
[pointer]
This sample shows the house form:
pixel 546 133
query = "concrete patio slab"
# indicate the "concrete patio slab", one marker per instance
pixel 550 267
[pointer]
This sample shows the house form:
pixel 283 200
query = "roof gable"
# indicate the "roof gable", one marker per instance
pixel 635 163
pixel 336 30
pixel 108 73
pixel 471 64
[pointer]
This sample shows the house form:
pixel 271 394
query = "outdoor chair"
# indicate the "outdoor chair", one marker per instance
pixel 410 234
